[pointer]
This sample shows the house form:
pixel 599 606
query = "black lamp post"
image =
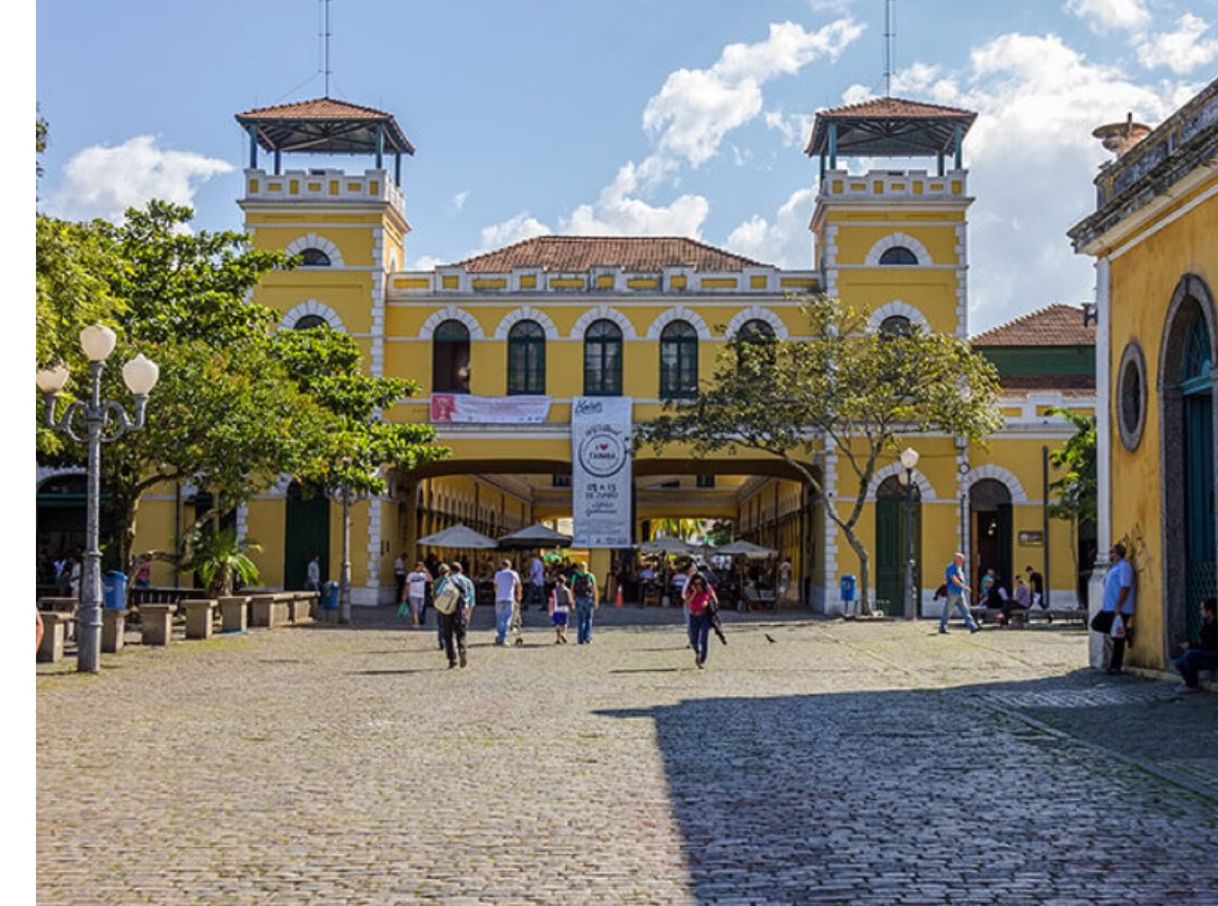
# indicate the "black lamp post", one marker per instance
pixel 909 462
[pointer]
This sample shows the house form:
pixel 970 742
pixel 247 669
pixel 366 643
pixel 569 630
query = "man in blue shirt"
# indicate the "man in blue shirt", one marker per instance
pixel 1118 598
pixel 957 590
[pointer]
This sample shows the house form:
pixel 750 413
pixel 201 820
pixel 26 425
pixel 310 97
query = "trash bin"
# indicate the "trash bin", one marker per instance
pixel 848 585
pixel 329 596
pixel 114 590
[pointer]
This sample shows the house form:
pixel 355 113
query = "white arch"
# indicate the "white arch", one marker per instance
pixel 603 312
pixel 998 473
pixel 46 473
pixel 756 312
pixel 897 308
pixel 925 488
pixel 313 307
pixel 321 243
pixel 892 240
pixel 452 313
pixel 680 313
pixel 527 313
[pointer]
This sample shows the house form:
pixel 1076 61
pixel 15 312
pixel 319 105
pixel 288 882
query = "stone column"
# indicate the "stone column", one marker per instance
pixel 410 509
pixel 1103 453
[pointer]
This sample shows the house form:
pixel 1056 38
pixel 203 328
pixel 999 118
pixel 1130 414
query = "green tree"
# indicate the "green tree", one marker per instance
pixel 1075 488
pixel 845 389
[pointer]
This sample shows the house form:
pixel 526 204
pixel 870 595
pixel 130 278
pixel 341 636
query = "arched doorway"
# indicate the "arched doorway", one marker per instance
pixel 1186 382
pixel 60 523
pixel 306 533
pixel 891 519
pixel 990 503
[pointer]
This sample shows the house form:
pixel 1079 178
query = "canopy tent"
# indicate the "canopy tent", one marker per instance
pixel 746 549
pixel 459 536
pixel 536 535
pixel 666 546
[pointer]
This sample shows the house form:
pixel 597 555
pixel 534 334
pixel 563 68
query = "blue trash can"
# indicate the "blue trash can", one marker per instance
pixel 849 583
pixel 114 590
pixel 329 596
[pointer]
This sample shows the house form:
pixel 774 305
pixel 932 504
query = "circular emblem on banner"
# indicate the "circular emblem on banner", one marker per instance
pixel 602 454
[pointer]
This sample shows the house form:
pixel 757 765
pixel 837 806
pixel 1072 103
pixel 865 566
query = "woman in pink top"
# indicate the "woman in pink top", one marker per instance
pixel 700 601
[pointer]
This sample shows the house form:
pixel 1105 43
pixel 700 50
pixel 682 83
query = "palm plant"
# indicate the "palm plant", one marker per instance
pixel 219 558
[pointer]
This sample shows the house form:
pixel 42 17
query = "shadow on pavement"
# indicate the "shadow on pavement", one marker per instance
pixel 892 794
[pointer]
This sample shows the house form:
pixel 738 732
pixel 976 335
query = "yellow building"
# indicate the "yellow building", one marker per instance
pixel 503 343
pixel 1154 236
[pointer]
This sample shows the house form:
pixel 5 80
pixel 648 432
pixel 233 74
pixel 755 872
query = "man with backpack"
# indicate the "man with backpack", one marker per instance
pixel 454 605
pixel 587 599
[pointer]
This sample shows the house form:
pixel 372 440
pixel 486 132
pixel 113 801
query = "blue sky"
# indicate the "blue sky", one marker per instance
pixel 636 116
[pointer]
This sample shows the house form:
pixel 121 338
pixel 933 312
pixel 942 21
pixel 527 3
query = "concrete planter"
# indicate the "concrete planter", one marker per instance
pixel 199 617
pixel 234 614
pixel 114 622
pixel 157 623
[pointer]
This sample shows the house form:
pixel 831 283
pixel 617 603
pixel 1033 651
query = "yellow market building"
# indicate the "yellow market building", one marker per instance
pixel 1154 237
pixel 502 343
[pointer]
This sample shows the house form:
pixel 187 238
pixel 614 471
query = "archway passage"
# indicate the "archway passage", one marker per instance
pixel 60 523
pixel 992 517
pixel 306 534
pixel 891 545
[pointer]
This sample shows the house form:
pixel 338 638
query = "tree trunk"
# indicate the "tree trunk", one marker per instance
pixel 860 551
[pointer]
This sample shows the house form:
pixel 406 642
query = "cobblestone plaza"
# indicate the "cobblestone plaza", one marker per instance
pixel 841 762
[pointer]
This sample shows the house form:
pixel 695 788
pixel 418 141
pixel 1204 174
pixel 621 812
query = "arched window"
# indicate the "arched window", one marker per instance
pixel 1196 365
pixel 314 258
pixel 756 331
pixel 896 326
pixel 306 322
pixel 526 358
pixel 678 360
pixel 603 359
pixel 450 358
pixel 898 254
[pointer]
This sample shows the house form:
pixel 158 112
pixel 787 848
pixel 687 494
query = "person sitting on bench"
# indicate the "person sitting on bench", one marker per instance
pixel 1204 656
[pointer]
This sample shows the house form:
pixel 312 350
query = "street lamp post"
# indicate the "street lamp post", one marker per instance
pixel 909 462
pixel 344 591
pixel 104 421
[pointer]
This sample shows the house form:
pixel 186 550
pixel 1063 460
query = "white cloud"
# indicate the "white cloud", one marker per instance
pixel 514 229
pixel 103 181
pixel 428 262
pixel 618 212
pixel 786 242
pixel 459 200
pixel 795 128
pixel 1181 50
pixel 696 108
pixel 1109 14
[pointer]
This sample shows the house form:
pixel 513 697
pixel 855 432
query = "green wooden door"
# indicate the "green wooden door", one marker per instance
pixel 1199 505
pixel 889 574
pixel 307 532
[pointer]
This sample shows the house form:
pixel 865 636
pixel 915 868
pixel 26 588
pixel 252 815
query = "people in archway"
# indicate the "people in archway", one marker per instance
pixel 1036 587
pixel 313 573
pixel 587 600
pixel 957 595
pixel 417 581
pixel 1204 655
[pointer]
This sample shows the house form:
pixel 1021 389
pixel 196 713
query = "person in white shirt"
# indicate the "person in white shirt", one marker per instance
pixel 313 573
pixel 508 591
pixel 416 585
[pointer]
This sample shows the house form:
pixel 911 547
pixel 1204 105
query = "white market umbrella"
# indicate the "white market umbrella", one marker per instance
pixel 459 536
pixel 666 546
pixel 536 535
pixel 746 549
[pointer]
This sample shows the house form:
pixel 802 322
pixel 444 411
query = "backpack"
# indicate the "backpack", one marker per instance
pixel 562 596
pixel 582 585
pixel 449 598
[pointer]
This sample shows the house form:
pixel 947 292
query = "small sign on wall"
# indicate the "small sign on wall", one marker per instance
pixel 1031 539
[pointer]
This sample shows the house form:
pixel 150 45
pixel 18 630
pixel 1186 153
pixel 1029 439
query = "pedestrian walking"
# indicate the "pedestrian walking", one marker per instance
pixel 143 575
pixel 784 581
pixel 440 572
pixel 587 599
pixel 313 573
pixel 560 609
pixel 1118 603
pixel 1203 656
pixel 699 603
pixel 454 604
pixel 957 595
pixel 417 581
pixel 536 592
pixel 1036 588
pixel 507 595
pixel 399 578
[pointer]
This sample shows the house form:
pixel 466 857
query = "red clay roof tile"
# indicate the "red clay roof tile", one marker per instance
pixel 632 253
pixel 1053 325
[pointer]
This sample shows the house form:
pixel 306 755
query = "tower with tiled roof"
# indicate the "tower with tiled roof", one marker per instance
pixel 348 224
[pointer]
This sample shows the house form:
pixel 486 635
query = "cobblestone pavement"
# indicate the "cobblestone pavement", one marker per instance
pixel 842 762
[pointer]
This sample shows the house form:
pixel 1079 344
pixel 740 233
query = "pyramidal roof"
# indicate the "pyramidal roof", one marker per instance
pixel 324 125
pixel 632 253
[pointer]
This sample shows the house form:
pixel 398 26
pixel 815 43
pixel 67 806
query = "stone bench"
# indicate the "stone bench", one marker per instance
pixel 234 613
pixel 200 617
pixel 269 611
pixel 65 606
pixel 304 604
pixel 54 632
pixel 1021 616
pixel 156 623
pixel 114 627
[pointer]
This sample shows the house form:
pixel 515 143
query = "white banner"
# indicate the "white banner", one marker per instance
pixel 514 410
pixel 601 476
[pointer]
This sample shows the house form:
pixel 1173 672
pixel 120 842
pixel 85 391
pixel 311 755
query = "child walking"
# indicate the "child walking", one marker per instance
pixel 560 609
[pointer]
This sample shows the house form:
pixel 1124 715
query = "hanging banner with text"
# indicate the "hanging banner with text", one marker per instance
pixel 489 410
pixel 600 470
